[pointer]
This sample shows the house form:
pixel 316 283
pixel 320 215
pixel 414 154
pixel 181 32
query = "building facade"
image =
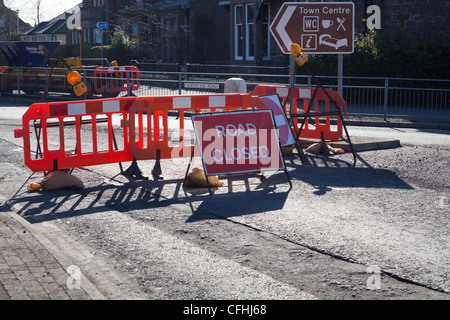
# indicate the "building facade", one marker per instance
pixel 231 31
pixel 10 22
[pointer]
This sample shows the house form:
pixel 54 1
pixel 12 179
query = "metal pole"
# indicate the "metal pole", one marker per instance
pixel 180 83
pixel 292 64
pixel 18 81
pixel 340 72
pixel 46 81
pixel 386 96
pixel 128 84
pixel 101 33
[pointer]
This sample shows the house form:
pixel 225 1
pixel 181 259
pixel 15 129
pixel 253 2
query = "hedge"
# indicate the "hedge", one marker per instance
pixel 396 56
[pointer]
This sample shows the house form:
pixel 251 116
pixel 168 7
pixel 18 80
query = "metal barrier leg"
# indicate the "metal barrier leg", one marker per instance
pixel 338 111
pixel 156 172
pixel 134 171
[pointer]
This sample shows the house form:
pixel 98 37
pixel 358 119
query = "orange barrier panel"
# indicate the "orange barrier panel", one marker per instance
pixel 301 98
pixel 156 146
pixel 131 111
pixel 56 154
pixel 114 79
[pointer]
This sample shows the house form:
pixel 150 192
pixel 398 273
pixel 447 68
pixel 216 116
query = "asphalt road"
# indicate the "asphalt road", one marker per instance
pixel 374 229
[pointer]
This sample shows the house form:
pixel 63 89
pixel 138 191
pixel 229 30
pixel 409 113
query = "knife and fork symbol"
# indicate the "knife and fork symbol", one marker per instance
pixel 341 23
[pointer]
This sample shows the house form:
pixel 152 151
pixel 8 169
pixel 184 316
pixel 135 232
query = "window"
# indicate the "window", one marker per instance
pixel 265 31
pixel 238 33
pixel 134 29
pixel 168 37
pixel 99 3
pixel 244 31
pixel 98 34
pixel 249 32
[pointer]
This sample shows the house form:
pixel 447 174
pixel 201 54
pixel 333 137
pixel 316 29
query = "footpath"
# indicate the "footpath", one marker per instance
pixel 39 262
pixel 33 268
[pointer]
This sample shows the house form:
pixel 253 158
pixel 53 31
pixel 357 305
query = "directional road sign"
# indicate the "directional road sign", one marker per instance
pixel 102 25
pixel 318 27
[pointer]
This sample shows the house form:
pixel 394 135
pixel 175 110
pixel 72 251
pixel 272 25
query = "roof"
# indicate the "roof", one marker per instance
pixel 171 3
pixel 48 27
pixel 227 2
pixel 55 26
pixel 157 5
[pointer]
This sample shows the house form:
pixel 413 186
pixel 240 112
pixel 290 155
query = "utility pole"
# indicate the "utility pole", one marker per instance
pixel 38 7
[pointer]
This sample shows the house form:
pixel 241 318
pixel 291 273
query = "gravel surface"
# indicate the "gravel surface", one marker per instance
pixel 325 238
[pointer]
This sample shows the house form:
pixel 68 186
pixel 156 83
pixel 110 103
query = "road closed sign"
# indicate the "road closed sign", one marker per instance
pixel 238 142
pixel 318 27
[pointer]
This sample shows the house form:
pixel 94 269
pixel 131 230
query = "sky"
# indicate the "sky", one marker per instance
pixel 49 8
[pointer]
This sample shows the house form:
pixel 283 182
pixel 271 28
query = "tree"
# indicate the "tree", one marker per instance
pixel 14 36
pixel 122 46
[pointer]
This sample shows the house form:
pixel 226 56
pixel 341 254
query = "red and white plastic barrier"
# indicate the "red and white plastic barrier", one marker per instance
pixel 301 98
pixel 130 112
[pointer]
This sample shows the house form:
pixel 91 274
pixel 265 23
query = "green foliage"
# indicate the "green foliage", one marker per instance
pixel 122 47
pixel 14 36
pixel 403 56
pixel 394 55
pixel 88 51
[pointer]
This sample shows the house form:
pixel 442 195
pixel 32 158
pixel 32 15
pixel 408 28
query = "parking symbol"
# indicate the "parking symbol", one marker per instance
pixel 311 24
pixel 309 42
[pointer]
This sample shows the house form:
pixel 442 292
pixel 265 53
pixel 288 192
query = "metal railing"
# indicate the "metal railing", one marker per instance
pixel 366 96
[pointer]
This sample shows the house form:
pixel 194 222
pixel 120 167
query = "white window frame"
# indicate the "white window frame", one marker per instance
pixel 249 24
pixel 267 57
pixel 237 40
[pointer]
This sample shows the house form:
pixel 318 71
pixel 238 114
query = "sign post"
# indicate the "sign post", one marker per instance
pixel 238 142
pixel 102 26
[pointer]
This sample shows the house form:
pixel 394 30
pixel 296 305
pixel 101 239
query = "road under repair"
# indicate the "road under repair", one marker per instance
pixel 376 228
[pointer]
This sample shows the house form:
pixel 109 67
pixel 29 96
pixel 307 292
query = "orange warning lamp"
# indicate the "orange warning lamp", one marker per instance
pixel 300 57
pixel 296 49
pixel 74 79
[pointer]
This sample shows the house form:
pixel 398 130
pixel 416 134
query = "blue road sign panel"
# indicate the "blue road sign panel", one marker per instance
pixel 102 25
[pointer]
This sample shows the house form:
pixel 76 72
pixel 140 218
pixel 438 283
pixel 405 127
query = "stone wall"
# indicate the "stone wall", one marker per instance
pixel 417 18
